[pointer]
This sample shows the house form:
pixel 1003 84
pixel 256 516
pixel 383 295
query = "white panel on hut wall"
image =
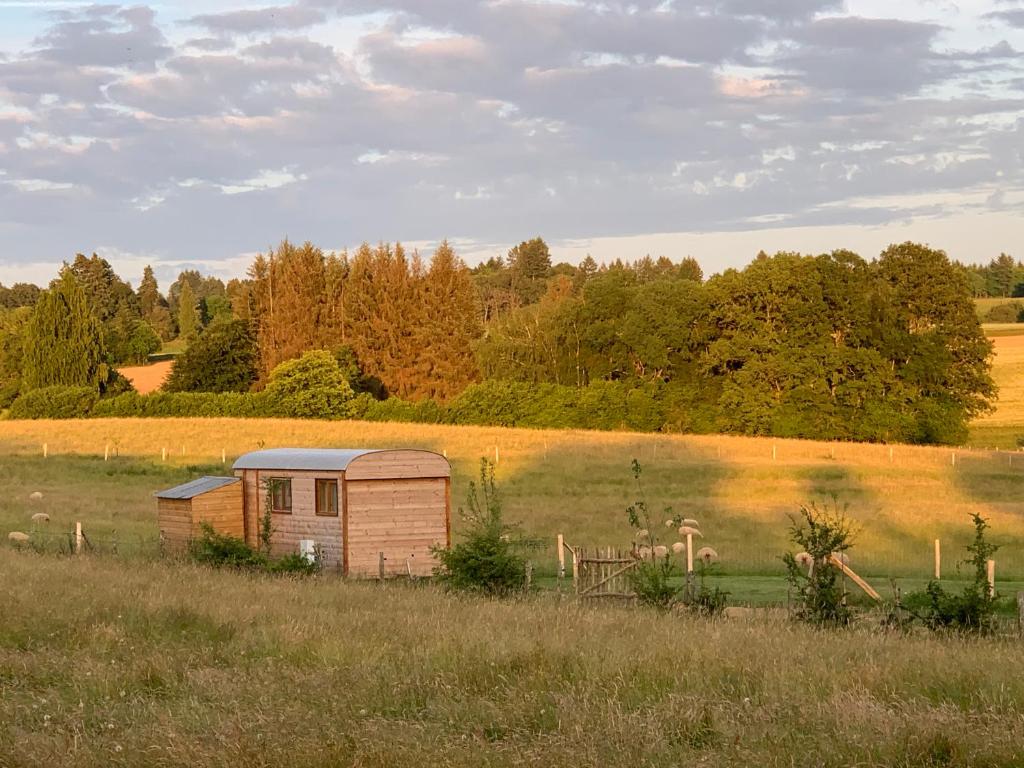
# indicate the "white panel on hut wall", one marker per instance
pixel 403 519
pixel 398 464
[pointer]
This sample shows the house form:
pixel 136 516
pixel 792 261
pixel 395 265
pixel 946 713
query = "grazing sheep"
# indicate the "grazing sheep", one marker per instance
pixel 40 517
pixel 644 553
pixel 35 496
pixel 17 537
pixel 643 533
pixel 679 547
pixel 707 554
pixel 669 523
pixel 660 551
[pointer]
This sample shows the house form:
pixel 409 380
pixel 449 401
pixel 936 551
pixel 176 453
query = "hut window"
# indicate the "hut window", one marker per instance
pixel 280 494
pixel 327 498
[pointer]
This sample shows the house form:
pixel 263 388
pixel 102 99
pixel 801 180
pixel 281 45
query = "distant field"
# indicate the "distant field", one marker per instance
pixel 148 378
pixel 575 483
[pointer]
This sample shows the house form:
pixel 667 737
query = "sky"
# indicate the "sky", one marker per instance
pixel 188 134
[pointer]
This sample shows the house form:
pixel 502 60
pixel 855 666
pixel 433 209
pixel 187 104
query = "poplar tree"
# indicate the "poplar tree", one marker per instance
pixel 188 313
pixel 63 339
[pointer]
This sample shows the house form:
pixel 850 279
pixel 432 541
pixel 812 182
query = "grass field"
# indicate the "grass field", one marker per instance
pixel 105 662
pixel 574 483
pixel 127 659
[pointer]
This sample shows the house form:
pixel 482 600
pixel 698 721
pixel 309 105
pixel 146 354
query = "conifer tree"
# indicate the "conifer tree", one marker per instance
pixel 446 365
pixel 64 339
pixel 188 314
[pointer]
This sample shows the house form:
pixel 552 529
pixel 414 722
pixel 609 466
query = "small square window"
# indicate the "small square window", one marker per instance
pixel 280 495
pixel 327 498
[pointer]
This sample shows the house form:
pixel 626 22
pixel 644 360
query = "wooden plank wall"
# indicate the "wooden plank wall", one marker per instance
pixel 398 464
pixel 179 519
pixel 302 523
pixel 403 518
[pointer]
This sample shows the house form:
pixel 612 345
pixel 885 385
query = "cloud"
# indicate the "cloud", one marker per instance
pixel 250 21
pixel 345 120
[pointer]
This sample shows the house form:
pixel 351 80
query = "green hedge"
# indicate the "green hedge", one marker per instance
pixel 54 403
pixel 604 405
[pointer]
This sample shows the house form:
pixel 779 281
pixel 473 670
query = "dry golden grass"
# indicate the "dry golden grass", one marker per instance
pixel 575 483
pixel 148 378
pixel 106 663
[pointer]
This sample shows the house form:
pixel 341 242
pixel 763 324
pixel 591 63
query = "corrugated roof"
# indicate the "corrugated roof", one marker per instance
pixel 195 487
pixel 327 459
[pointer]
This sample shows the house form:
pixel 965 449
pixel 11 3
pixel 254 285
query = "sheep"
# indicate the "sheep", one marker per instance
pixel 679 547
pixel 40 517
pixel 17 537
pixel 661 551
pixel 36 496
pixel 707 554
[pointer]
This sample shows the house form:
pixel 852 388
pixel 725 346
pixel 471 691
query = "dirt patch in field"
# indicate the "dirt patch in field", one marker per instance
pixel 148 378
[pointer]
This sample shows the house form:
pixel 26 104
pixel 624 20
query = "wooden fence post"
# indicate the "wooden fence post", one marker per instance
pixel 689 553
pixel 938 560
pixel 163 453
pixel 561 556
pixel 529 574
pixel 106 452
pixel 991 577
pixel 773 452
pixel 223 456
pixel 497 455
pixel 78 538
pixel 575 568
pixel 45 450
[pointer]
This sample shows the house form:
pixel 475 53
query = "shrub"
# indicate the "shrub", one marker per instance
pixel 184 404
pixel 223 551
pixel 55 403
pixel 813 577
pixel 490 560
pixel 973 610
pixel 310 387
pixel 651 577
pixel 1004 313
pixel 221 359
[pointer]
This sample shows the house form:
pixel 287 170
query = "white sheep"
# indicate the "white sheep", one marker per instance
pixel 36 496
pixel 679 547
pixel 707 554
pixel 40 517
pixel 17 537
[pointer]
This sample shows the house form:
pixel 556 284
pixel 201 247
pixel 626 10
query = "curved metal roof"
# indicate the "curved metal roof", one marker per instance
pixel 326 459
pixel 195 488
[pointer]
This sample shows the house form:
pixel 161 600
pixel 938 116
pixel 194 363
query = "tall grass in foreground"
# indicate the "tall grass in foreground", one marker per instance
pixel 157 665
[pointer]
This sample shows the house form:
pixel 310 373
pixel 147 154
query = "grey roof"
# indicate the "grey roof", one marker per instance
pixel 195 487
pixel 327 459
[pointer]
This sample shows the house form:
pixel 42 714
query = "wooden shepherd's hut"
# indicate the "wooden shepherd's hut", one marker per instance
pixel 364 511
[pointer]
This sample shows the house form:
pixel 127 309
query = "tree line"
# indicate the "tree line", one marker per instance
pixel 828 346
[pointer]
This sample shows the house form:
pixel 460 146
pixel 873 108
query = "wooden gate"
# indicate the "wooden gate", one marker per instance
pixel 603 573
